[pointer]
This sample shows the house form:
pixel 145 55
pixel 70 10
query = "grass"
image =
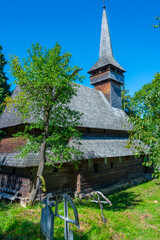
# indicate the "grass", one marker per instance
pixel 135 214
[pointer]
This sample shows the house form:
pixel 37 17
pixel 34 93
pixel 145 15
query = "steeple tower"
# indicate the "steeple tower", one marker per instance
pixel 106 73
pixel 105 42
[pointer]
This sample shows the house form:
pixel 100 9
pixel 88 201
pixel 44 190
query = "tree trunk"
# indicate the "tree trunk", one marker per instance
pixel 41 165
pixel 42 160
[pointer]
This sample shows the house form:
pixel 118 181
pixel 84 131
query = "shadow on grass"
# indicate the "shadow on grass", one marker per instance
pixel 79 236
pixel 21 230
pixel 4 206
pixel 158 183
pixel 123 200
pixel 120 202
pixel 59 234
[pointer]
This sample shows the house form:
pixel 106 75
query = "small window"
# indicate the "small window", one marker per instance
pixel 111 164
pixel 105 161
pixel 88 130
pixel 55 169
pixel 95 167
pixel 120 159
pixel 90 163
pixel 14 171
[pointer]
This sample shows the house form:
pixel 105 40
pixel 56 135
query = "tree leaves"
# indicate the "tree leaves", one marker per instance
pixel 47 83
pixel 157 25
pixel 4 86
pixel 146 122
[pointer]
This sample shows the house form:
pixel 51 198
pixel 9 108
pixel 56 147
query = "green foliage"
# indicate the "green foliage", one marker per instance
pixel 157 25
pixel 134 214
pixel 47 83
pixel 4 86
pixel 126 101
pixel 146 105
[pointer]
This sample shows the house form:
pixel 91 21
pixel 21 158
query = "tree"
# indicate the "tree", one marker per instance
pixel 126 101
pixel 146 122
pixel 157 25
pixel 47 83
pixel 4 86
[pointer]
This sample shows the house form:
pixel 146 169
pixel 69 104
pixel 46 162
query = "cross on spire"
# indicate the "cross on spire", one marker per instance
pixel 104 6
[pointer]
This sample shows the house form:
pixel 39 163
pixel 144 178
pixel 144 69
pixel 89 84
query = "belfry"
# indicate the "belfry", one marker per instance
pixel 107 74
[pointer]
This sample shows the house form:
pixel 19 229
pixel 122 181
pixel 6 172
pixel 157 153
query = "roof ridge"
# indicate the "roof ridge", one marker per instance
pixel 104 99
pixel 95 90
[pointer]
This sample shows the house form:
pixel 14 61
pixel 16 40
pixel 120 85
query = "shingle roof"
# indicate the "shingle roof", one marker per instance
pixel 9 159
pixel 11 117
pixel 92 148
pixel 101 148
pixel 104 61
pixel 96 111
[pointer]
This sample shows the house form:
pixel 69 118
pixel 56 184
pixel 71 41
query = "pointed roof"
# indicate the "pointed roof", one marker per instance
pixel 105 41
pixel 105 52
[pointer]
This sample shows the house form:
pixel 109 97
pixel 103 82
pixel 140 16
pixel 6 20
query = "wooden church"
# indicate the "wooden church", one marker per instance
pixel 106 160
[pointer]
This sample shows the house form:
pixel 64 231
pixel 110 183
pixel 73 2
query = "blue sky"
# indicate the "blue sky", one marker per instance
pixel 76 26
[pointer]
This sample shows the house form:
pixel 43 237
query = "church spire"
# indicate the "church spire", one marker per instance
pixel 106 74
pixel 105 42
pixel 105 52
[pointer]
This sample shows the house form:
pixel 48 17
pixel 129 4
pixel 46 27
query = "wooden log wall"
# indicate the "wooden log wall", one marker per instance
pixel 17 183
pixel 57 179
pixel 90 175
pixel 110 171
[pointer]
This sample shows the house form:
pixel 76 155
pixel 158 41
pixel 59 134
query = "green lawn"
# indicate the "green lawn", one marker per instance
pixel 135 214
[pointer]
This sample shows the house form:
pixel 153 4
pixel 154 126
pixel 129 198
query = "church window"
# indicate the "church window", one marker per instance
pixel 13 170
pixel 111 164
pixel 88 131
pixel 105 161
pixel 120 159
pixel 55 169
pixel 95 167
pixel 90 163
